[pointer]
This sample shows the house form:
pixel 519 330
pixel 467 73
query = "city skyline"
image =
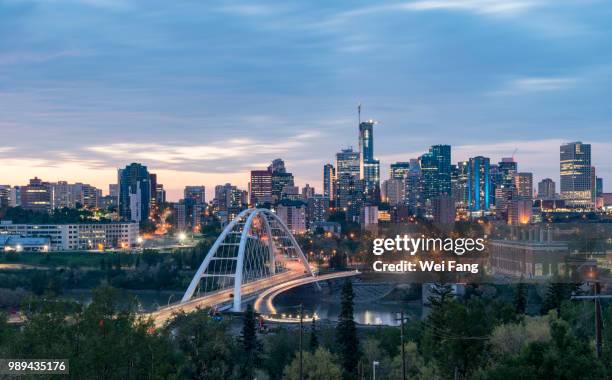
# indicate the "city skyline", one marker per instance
pixel 317 184
pixel 204 93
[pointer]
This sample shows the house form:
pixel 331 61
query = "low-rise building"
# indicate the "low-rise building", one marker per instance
pixel 16 243
pixel 85 236
pixel 535 257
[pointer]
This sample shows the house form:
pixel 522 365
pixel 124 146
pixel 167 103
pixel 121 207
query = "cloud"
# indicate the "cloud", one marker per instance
pixel 248 10
pixel 23 57
pixel 113 5
pixel 481 7
pixel 536 84
pixel 236 152
pixel 476 6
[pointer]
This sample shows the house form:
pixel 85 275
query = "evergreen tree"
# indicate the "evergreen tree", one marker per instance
pixel 520 298
pixel 440 296
pixel 555 295
pixel 313 343
pixel 250 344
pixel 346 333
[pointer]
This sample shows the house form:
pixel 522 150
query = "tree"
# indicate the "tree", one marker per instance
pixel 313 342
pixel 563 357
pixel 414 363
pixel 555 295
pixel 441 294
pixel 205 345
pixel 371 351
pixel 511 338
pixel 520 298
pixel 104 340
pixel 250 345
pixel 279 349
pixel 319 365
pixel 346 332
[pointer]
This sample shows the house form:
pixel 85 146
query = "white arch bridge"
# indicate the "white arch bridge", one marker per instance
pixel 254 253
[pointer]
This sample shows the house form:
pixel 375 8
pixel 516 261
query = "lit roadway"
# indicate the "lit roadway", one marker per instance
pixel 268 287
pixel 264 304
pixel 223 296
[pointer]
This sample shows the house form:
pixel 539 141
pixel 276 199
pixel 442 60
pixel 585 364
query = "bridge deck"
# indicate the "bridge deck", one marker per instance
pixel 264 304
pixel 223 296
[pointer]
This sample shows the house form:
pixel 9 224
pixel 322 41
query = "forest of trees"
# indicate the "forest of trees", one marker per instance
pixel 466 337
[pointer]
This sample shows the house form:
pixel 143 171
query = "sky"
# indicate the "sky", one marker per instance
pixel 204 91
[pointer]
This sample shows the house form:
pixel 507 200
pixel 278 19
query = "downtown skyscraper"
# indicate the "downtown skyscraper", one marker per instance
pixel 436 173
pixel 349 187
pixel 134 192
pixel 369 168
pixel 329 181
pixel 576 177
pixel 479 184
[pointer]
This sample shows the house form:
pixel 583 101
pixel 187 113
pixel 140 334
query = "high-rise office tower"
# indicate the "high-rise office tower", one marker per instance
pixel 277 166
pixel 459 179
pixel 280 181
pixel 414 188
pixel 160 194
pixel 399 170
pixel 599 186
pixel 308 191
pixel 36 196
pixel 229 201
pixel 524 185
pixel 15 197
pixel 329 179
pixel 394 191
pixel 508 169
pixel 113 190
pixel 546 189
pixel 350 188
pixel 575 171
pixel 479 184
pixel 153 187
pixel 429 171
pixel 496 178
pixel 74 195
pixel 347 162
pixel 443 210
pixel 260 187
pixel 436 172
pixel 369 168
pixel 316 209
pixel 5 195
pixel 293 215
pixel 195 194
pixel 593 187
pixel 505 189
pixel 134 192
pixel 442 156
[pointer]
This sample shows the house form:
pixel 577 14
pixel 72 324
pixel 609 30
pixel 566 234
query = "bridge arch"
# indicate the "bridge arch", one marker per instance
pixel 254 246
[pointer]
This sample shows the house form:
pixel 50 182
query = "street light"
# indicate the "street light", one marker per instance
pixel 374 365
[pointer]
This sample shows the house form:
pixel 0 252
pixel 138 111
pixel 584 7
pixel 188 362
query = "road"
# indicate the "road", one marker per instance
pixel 268 288
pixel 264 304
pixel 223 296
